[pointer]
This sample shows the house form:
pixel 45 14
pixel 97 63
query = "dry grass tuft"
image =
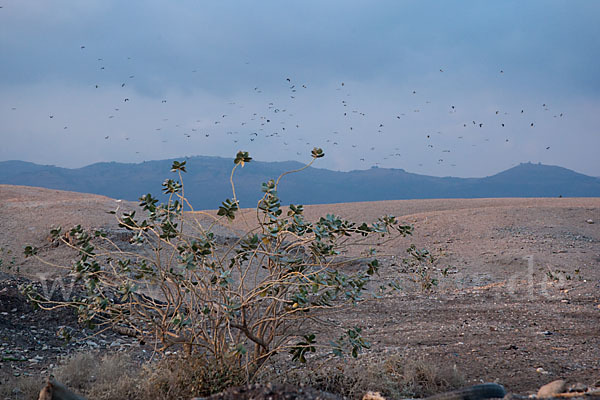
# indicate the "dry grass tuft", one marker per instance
pixel 394 377
pixel 21 388
pixel 112 377
pixel 421 378
pixel 119 377
pixel 192 376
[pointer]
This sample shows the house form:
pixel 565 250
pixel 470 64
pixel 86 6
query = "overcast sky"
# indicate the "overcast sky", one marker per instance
pixel 434 87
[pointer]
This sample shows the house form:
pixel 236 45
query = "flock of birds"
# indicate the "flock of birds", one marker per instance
pixel 271 121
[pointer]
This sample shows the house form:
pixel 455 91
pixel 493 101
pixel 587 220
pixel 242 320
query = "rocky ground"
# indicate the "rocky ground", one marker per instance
pixel 518 302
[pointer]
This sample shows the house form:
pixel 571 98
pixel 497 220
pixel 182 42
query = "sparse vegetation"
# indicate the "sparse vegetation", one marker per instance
pixel 7 260
pixel 421 267
pixel 108 377
pixel 119 377
pixel 393 376
pixel 230 305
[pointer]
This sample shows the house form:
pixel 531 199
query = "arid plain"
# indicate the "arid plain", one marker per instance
pixel 517 300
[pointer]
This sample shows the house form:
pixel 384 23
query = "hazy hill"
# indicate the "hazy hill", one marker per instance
pixel 207 182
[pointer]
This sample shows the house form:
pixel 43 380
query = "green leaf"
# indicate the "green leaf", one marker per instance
pixel 56 232
pixel 242 157
pixel 148 203
pixel 317 153
pixel 171 186
pixel 30 251
pixel 178 166
pixel 373 267
pixel 228 209
pixel 300 349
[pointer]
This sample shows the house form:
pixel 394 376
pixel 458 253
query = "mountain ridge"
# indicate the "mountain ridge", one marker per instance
pixel 207 181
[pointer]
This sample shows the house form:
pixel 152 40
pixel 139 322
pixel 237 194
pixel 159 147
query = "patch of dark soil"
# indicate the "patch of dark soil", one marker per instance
pixel 33 340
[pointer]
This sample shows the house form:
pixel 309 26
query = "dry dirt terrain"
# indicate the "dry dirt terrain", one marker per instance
pixel 518 302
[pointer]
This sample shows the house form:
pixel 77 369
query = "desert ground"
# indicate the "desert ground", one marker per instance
pixel 518 302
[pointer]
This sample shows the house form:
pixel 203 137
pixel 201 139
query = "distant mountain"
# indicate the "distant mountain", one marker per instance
pixel 207 182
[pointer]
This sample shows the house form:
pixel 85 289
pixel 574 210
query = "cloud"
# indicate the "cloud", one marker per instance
pixel 206 59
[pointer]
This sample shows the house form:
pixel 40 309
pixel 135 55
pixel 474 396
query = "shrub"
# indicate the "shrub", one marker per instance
pixel 237 304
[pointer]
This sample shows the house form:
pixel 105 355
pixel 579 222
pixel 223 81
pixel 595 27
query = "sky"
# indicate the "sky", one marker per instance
pixel 444 88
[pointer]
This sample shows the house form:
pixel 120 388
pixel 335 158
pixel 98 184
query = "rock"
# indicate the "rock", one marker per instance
pixel 590 221
pixel 373 396
pixel 482 391
pixel 552 388
pixel 513 396
pixel 542 371
pixel 578 387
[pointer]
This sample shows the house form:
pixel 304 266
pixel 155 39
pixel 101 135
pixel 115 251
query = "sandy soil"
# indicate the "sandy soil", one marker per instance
pixel 520 304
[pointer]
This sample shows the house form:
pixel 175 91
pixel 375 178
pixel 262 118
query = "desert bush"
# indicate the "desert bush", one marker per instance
pixel 421 264
pixel 237 304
